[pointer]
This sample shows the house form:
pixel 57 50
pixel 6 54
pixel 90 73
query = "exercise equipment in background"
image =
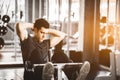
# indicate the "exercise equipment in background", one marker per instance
pixel 3 30
pixel 4 20
pixel 5 17
pixel 1 43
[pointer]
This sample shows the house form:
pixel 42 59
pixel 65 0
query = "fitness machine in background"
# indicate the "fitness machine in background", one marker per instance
pixel 4 20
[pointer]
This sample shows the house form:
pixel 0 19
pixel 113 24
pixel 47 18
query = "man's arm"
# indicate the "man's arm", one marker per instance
pixel 21 29
pixel 57 36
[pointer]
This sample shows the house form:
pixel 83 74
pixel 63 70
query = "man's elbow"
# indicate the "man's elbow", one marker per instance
pixel 63 36
pixel 18 28
pixel 17 25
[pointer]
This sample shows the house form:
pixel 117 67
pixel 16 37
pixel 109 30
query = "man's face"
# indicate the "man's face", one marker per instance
pixel 40 34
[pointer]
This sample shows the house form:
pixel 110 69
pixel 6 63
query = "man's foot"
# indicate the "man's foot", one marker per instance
pixel 84 70
pixel 48 71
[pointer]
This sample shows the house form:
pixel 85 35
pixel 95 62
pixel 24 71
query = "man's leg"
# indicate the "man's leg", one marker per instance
pixel 48 71
pixel 84 70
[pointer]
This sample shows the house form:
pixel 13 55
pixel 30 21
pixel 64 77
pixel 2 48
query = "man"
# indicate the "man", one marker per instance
pixel 36 48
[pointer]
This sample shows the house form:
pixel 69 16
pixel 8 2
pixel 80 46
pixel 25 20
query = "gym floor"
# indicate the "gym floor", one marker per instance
pixel 10 64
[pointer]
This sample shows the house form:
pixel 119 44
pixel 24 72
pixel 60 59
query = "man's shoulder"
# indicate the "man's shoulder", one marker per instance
pixel 46 40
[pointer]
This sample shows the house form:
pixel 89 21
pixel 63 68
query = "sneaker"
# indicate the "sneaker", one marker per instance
pixel 48 71
pixel 84 70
